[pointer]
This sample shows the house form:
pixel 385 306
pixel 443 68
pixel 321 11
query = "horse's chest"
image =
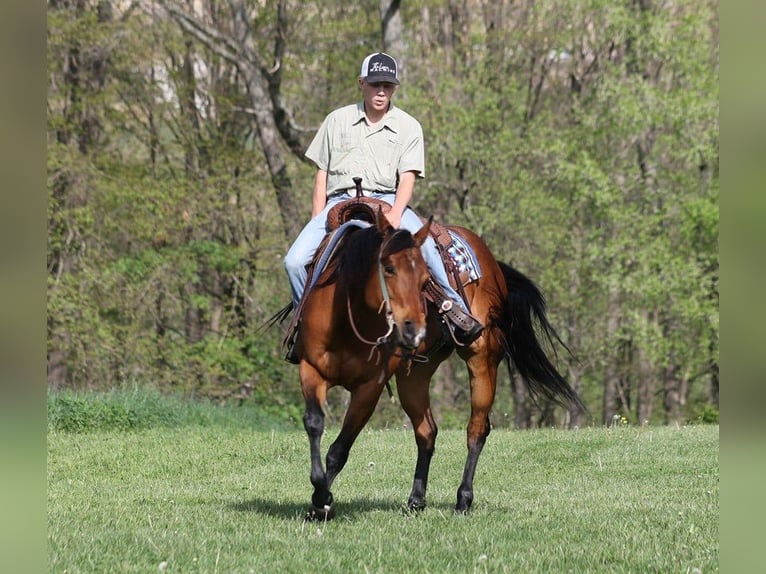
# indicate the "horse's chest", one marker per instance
pixel 352 371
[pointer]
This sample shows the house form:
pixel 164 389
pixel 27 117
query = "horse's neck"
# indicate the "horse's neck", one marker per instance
pixel 326 253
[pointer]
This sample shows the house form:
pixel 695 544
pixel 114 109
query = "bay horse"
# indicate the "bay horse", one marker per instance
pixel 366 320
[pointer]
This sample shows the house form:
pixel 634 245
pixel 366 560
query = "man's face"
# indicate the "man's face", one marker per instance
pixel 377 96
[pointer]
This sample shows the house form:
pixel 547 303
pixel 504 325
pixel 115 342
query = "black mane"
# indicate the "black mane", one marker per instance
pixel 358 253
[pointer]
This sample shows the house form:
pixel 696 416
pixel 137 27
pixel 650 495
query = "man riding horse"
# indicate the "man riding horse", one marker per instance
pixel 382 144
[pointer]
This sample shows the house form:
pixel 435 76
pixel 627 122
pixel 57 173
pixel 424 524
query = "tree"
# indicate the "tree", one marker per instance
pixel 235 41
pixel 580 139
pixel 79 55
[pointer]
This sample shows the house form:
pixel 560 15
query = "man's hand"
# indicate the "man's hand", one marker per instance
pixel 394 218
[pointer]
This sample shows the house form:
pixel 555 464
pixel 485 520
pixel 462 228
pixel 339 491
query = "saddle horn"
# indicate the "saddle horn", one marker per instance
pixel 358 184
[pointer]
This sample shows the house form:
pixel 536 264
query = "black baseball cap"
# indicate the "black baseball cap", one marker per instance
pixel 379 67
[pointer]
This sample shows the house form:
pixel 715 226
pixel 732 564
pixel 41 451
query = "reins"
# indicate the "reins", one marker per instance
pixel 383 339
pixel 386 297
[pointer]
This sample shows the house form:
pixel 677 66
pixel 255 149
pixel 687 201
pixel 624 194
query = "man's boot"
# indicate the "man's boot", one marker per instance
pixel 292 355
pixel 466 327
pixel 292 343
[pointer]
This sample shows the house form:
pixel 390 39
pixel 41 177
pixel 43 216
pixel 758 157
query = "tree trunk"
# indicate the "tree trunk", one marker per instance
pixel 391 30
pixel 522 413
pixel 645 389
pixel 446 387
pixel 193 321
pixel 547 418
pixel 713 347
pixel 672 395
pixel 645 383
pixel 189 115
pixel 611 373
pixel 714 383
pixel 273 122
pixel 57 364
pixel 576 417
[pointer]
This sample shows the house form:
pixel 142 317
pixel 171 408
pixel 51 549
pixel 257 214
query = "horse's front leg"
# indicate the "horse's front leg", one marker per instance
pixel 315 393
pixel 425 438
pixel 321 499
pixel 413 394
pixel 360 408
pixel 483 382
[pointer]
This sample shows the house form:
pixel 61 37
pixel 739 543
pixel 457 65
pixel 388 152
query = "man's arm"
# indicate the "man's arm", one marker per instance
pixel 403 196
pixel 320 193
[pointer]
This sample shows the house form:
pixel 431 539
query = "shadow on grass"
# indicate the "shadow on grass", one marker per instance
pixel 349 509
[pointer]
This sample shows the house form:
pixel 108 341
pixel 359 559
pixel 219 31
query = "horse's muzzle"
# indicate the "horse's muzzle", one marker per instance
pixel 410 336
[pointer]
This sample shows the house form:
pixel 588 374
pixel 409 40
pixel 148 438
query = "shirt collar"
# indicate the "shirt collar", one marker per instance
pixel 390 120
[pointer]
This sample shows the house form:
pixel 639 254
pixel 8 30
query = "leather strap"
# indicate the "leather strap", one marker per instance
pixel 447 308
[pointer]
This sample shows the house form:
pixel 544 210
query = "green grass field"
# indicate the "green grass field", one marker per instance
pixel 220 498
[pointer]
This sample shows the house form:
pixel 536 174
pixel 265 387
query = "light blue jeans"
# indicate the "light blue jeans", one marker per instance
pixel 305 245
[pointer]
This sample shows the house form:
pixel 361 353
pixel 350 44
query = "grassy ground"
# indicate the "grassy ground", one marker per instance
pixel 216 498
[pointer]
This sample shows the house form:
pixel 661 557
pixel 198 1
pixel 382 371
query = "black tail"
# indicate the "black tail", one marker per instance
pixel 525 305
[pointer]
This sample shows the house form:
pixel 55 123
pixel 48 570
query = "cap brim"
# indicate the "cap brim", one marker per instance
pixel 387 79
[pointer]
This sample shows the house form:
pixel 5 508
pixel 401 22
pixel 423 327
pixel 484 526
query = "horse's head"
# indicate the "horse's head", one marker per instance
pixel 402 274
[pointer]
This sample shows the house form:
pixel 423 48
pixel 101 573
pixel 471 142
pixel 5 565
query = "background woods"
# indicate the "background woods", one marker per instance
pixel 580 139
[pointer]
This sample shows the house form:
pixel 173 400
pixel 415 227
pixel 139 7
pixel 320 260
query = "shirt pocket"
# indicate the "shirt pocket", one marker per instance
pixel 343 142
pixel 344 154
pixel 389 152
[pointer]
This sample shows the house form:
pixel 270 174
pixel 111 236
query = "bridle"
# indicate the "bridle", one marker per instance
pixel 384 339
pixel 385 346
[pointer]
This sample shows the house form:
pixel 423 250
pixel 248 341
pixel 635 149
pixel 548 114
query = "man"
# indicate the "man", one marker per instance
pixel 382 144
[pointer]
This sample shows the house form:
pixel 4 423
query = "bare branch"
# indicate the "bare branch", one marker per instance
pixel 210 37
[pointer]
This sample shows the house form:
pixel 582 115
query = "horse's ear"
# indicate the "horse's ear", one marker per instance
pixel 382 222
pixel 422 233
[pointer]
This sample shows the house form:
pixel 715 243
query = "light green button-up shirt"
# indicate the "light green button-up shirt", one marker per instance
pixel 346 147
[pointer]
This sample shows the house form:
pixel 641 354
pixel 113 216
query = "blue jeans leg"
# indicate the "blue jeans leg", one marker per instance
pixel 303 248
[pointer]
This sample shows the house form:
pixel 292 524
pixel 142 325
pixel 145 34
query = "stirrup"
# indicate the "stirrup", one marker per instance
pixel 466 328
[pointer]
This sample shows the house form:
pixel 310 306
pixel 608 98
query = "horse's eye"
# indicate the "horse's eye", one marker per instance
pixel 389 269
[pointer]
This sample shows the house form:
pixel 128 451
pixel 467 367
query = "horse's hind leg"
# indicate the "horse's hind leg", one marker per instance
pixel 413 394
pixel 483 381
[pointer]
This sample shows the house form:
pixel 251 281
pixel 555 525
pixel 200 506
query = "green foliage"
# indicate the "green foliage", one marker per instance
pixel 580 139
pixel 707 414
pixel 146 408
pixel 70 412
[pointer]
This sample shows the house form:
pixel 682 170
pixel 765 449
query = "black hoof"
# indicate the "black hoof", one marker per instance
pixel 321 514
pixel 462 511
pixel 416 505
